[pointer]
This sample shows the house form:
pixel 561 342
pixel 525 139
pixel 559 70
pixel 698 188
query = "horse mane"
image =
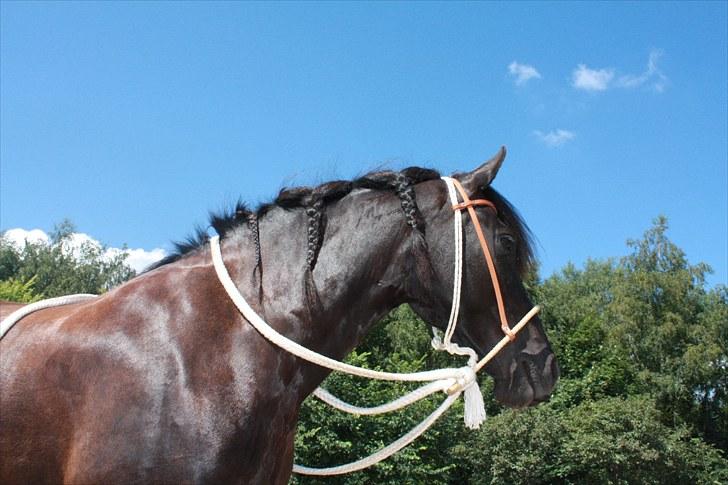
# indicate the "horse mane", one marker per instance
pixel 315 199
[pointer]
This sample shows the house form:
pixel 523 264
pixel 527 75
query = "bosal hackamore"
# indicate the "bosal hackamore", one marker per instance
pixel 452 381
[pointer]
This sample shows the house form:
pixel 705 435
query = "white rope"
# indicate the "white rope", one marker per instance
pixel 474 411
pixel 445 343
pixel 385 452
pixel 304 353
pixel 13 318
pixel 402 402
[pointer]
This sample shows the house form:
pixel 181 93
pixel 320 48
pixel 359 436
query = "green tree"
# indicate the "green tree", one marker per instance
pixel 611 440
pixel 642 398
pixel 19 291
pixel 644 323
pixel 60 267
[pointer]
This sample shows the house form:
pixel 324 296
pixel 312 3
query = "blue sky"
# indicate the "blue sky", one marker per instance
pixel 135 119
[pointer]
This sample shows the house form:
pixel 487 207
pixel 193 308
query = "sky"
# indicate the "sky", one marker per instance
pixel 133 120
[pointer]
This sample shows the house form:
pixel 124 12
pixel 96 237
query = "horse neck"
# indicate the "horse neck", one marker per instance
pixel 357 279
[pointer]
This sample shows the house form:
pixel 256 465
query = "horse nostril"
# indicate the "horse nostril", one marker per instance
pixel 555 371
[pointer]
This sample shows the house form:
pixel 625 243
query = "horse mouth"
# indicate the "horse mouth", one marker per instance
pixel 518 391
pixel 542 383
pixel 526 387
pixel 529 369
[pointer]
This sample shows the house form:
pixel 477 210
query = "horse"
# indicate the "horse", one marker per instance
pixel 162 380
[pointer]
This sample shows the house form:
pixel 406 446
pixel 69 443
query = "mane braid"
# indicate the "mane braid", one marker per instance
pixel 315 215
pixel 406 194
pixel 255 229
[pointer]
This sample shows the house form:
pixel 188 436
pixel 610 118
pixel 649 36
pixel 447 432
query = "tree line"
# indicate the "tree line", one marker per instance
pixel 642 343
pixel 643 350
pixel 40 269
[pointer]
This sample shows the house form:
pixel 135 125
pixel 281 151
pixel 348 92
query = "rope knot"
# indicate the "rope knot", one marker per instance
pixel 467 377
pixel 466 381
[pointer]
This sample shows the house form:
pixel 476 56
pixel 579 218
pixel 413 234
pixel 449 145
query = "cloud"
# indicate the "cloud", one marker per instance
pixel 137 258
pixel 652 75
pixel 523 72
pixel 19 236
pixel 602 79
pixel 591 79
pixel 555 138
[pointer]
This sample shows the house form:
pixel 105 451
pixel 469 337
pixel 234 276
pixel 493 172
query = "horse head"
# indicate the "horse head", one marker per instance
pixel 525 372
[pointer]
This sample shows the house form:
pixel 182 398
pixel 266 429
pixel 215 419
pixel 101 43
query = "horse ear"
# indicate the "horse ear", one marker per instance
pixel 483 176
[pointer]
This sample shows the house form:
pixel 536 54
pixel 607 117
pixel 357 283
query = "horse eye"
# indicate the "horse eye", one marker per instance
pixel 507 244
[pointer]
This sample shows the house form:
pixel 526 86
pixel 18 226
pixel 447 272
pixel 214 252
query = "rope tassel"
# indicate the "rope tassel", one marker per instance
pixel 474 406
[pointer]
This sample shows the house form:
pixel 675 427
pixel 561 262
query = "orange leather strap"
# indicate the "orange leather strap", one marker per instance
pixel 469 205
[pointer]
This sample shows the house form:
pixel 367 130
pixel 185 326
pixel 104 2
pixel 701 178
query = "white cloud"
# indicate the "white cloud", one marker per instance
pixel 591 79
pixel 137 258
pixel 555 138
pixel 602 79
pixel 140 259
pixel 652 75
pixel 523 72
pixel 19 236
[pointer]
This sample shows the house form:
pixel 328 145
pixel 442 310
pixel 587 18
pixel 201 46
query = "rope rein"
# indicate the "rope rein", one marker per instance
pixel 451 381
pixel 18 314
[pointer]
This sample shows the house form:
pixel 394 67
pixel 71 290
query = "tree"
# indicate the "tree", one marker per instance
pixel 644 323
pixel 15 290
pixel 60 267
pixel 611 440
pixel 642 399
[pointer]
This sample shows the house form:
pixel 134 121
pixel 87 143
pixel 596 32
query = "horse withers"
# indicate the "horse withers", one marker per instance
pixel 161 380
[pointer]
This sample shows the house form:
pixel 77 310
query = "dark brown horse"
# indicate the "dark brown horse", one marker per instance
pixel 162 380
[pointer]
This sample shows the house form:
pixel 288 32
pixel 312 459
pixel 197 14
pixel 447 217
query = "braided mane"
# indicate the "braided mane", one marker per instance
pixel 315 199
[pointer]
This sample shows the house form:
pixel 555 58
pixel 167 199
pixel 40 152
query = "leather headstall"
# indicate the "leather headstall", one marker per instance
pixel 469 204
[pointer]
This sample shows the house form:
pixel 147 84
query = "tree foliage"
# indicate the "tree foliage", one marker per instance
pixel 59 267
pixel 644 324
pixel 19 291
pixel 642 346
pixel 610 440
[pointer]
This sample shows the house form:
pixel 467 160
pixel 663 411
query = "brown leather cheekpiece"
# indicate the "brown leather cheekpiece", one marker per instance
pixel 469 205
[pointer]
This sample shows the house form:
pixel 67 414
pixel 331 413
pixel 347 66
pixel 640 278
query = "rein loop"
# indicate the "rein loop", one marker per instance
pixel 452 381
